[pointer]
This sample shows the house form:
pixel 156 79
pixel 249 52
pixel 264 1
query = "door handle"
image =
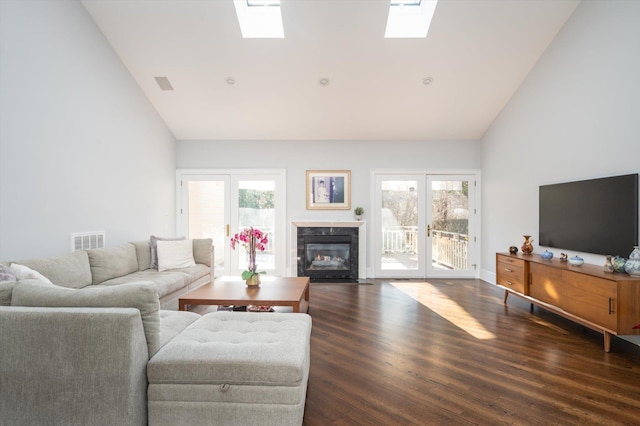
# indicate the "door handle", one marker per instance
pixel 428 230
pixel 228 230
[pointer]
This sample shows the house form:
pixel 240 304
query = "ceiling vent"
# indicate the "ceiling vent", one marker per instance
pixel 164 83
pixel 87 240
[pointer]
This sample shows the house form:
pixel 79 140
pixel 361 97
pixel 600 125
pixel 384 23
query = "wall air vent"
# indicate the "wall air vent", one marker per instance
pixel 87 240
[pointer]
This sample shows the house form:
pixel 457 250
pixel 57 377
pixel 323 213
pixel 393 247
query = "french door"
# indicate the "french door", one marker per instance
pixel 217 204
pixel 424 225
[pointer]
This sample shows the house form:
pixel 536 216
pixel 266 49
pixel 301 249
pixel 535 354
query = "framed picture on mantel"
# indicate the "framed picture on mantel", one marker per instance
pixel 328 189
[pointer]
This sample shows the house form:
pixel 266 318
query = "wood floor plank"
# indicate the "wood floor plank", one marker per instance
pixel 450 352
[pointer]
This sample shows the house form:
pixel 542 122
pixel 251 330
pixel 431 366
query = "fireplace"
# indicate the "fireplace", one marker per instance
pixel 328 253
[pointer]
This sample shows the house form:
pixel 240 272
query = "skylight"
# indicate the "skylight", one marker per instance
pixel 259 18
pixel 409 18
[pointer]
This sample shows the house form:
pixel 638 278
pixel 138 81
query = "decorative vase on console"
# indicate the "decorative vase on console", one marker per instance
pixel 618 263
pixel 632 265
pixel 608 266
pixel 527 246
pixel 546 255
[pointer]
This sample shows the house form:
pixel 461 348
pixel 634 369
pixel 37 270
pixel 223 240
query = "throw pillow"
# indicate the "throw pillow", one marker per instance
pixel 67 270
pixel 25 273
pixel 154 248
pixel 175 254
pixel 112 262
pixel 6 274
pixel 141 295
pixel 6 289
pixel 7 281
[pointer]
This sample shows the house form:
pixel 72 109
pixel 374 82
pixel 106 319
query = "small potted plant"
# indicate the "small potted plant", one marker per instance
pixel 359 211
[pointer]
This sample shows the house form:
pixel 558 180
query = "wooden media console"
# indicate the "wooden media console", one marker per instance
pixel 603 301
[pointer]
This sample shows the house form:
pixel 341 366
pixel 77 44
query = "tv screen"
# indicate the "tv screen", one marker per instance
pixel 592 216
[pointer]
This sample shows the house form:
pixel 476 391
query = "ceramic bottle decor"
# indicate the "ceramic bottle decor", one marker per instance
pixel 618 263
pixel 527 246
pixel 546 255
pixel 608 267
pixel 632 265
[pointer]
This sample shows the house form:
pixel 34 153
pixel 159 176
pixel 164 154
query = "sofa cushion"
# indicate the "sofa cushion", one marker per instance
pixel 202 248
pixel 143 253
pixel 175 254
pixel 154 247
pixel 6 289
pixel 68 270
pixel 173 322
pixel 22 272
pixel 166 282
pixel 140 295
pixel 112 262
pixel 195 272
pixel 259 349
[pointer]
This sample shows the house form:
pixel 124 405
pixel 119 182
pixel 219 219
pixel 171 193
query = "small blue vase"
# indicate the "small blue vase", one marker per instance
pixel 632 265
pixel 618 263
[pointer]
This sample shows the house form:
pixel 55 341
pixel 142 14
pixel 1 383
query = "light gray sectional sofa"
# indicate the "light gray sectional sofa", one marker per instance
pixel 121 264
pixel 93 346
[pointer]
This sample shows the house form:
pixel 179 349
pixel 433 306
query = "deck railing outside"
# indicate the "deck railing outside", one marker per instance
pixel 450 249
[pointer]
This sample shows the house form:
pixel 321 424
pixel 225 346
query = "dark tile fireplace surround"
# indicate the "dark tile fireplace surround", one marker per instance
pixel 328 254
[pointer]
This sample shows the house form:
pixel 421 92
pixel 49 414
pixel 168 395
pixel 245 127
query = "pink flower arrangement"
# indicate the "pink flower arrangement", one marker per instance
pixel 251 239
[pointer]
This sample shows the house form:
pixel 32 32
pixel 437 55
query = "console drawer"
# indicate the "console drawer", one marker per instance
pixel 511 273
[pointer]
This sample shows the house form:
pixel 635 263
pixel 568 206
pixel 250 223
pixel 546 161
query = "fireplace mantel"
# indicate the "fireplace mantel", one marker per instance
pixel 362 240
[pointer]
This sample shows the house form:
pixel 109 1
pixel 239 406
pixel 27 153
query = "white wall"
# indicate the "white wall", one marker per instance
pixel 296 157
pixel 576 116
pixel 299 156
pixel 81 148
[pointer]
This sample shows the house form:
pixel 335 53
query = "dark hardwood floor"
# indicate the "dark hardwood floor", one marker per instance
pixel 450 352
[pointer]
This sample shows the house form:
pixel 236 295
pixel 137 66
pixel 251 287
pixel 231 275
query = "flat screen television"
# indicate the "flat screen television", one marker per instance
pixel 592 216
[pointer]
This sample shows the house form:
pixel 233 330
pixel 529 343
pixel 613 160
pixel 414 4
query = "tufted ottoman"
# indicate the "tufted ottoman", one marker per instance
pixel 235 368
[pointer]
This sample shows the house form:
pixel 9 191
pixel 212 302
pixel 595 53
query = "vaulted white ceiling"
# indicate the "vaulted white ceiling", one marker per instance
pixel 477 54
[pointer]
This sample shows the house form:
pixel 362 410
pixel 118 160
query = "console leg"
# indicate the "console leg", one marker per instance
pixel 506 295
pixel 607 341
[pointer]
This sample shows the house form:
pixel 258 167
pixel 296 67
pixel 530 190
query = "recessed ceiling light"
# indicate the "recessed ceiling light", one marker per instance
pixel 231 81
pixel 324 82
pixel 409 18
pixel 427 81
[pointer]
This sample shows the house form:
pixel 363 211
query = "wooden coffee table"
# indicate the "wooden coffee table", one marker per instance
pixel 273 291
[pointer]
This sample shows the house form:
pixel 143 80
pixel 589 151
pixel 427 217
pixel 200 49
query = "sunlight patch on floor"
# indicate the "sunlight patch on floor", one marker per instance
pixel 428 295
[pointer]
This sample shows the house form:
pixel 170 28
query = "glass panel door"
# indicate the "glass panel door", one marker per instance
pixel 217 205
pixel 256 203
pixel 400 204
pixel 424 226
pixel 451 203
pixel 206 213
